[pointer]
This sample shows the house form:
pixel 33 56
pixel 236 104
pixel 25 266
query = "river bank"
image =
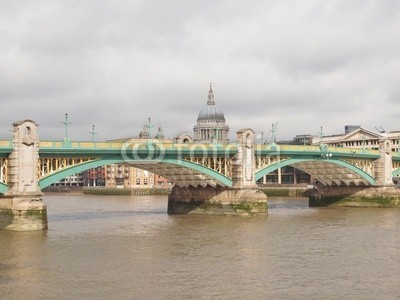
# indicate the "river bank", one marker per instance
pixel 355 196
pixel 106 191
pixel 271 191
pixel 284 190
pixel 351 196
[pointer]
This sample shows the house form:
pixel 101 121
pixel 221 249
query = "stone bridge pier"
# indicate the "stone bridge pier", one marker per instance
pixel 243 198
pixel 21 208
pixel 383 194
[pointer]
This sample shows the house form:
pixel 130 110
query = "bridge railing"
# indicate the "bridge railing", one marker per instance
pixel 261 149
pixel 119 145
pixel 80 145
pixel 306 149
pixel 396 156
pixel 136 149
pixel 5 144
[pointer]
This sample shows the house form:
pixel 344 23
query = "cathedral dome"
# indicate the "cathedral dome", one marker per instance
pixel 211 127
pixel 211 112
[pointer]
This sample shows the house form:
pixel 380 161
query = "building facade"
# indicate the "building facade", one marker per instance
pixel 128 176
pixel 94 177
pixel 75 180
pixel 360 138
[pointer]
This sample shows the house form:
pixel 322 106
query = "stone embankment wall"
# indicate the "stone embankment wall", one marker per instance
pixel 123 191
pixel 376 196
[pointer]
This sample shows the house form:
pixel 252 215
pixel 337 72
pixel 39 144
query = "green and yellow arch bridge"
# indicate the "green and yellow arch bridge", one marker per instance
pixel 209 178
pixel 194 165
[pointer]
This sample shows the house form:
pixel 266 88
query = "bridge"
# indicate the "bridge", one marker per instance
pixel 206 176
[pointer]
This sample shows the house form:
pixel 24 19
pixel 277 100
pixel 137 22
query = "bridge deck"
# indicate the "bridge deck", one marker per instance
pixel 264 150
pixel 141 148
pixel 58 148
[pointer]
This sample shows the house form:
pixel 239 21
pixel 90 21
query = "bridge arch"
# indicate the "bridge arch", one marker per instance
pixel 293 161
pixel 3 188
pixel 396 172
pixel 197 168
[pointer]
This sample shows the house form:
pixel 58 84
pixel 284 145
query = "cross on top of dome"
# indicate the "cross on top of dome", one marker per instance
pixel 211 112
pixel 211 100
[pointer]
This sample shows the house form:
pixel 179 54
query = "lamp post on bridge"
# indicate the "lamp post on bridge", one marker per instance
pixel 160 134
pixel 322 147
pixel 93 133
pixel 321 134
pixel 92 171
pixel 66 123
pixel 273 134
pixel 148 127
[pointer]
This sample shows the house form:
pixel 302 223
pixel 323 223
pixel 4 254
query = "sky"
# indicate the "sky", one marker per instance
pixel 113 64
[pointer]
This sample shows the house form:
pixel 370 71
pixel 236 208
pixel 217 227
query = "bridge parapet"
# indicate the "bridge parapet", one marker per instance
pixel 6 144
pixel 264 150
pixel 396 156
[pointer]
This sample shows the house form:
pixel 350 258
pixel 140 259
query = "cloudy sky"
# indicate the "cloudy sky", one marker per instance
pixel 303 64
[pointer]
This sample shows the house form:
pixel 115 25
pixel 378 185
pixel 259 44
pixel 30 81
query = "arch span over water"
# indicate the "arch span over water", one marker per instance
pixel 298 161
pixel 203 173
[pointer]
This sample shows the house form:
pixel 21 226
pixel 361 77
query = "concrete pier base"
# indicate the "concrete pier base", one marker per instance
pixel 23 213
pixel 217 201
pixel 356 196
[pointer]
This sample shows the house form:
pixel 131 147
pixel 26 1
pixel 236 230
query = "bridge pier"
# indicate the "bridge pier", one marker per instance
pixel 217 201
pixel 383 194
pixel 243 198
pixel 21 208
pixel 356 196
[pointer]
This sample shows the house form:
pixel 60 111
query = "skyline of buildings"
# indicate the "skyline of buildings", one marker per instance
pixel 211 127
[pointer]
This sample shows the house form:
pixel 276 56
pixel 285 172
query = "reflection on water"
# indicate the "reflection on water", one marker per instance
pixel 128 247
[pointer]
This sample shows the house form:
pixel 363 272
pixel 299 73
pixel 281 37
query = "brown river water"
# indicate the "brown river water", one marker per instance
pixel 121 247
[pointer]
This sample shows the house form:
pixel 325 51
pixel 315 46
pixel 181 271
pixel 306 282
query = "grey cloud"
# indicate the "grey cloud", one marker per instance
pixel 116 63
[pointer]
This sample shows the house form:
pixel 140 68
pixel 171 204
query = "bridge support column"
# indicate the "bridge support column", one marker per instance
pixel 21 208
pixel 243 198
pixel 383 165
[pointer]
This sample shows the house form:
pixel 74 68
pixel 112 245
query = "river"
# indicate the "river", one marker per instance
pixel 121 247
